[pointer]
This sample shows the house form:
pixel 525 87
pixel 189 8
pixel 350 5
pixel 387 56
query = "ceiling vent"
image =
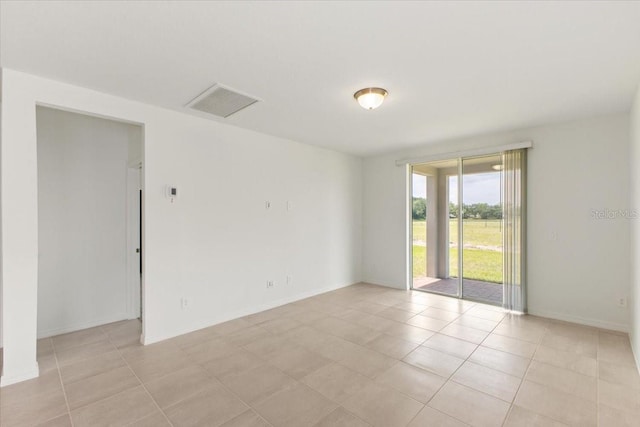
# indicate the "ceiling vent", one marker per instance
pixel 221 101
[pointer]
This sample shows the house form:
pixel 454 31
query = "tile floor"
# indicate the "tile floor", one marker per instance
pixel 363 355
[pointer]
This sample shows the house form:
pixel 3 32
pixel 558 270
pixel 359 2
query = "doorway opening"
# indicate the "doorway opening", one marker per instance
pixel 457 228
pixel 90 222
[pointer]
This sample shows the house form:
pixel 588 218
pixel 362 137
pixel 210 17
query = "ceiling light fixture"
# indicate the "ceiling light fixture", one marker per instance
pixel 371 97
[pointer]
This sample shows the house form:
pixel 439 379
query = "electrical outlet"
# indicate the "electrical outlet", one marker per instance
pixel 267 205
pixel 270 284
pixel 622 302
pixel 185 303
pixel 289 279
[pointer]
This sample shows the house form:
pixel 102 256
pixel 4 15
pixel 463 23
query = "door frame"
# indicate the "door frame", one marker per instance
pixel 134 241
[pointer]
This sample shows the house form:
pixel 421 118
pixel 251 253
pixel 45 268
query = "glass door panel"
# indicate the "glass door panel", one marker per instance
pixel 481 240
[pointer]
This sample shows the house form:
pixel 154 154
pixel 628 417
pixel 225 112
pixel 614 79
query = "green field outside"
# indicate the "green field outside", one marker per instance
pixel 482 255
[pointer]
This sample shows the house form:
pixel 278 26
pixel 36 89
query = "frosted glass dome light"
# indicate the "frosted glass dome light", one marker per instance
pixel 370 98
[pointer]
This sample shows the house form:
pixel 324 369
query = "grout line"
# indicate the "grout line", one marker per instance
pixel 141 383
pixel 64 389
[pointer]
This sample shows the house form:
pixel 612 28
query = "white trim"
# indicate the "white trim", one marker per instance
pixel 465 153
pixel 205 323
pixel 602 324
pixel 27 375
pixel 85 325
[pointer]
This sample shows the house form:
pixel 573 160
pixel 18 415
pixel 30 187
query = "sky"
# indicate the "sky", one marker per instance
pixel 477 188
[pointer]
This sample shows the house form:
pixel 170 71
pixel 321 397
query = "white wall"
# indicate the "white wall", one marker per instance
pixel 216 244
pixel 82 166
pixel 578 266
pixel 634 163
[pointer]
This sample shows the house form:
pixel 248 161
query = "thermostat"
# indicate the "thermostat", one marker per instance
pixel 172 192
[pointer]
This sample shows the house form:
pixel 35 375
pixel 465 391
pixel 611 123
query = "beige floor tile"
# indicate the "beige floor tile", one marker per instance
pixel 615 349
pixel 154 366
pixel 211 407
pixel 127 335
pixel 258 383
pixel 213 349
pixel 121 409
pixel 367 362
pixel 583 386
pixel 410 333
pixel 247 335
pixel 247 419
pixel 376 323
pixel 500 361
pixel 70 355
pixel 440 314
pixel 510 345
pixel 44 347
pixel 90 367
pixel 411 306
pixel 341 418
pixel 79 338
pixel 233 326
pixel 556 404
pixel 520 417
pixel 179 385
pixel 475 336
pixel 485 313
pixel 586 346
pixel 427 322
pixel 33 409
pixel 532 334
pixel 470 406
pixel 157 419
pixel 265 347
pixel 434 361
pixel 487 380
pixel 298 361
pixel 383 406
pixel 31 389
pixel 194 338
pixel 151 351
pixel 566 360
pixel 475 323
pixel 298 406
pixel 619 397
pixel 235 363
pixel 61 421
pixel 47 364
pixel 414 382
pixel 450 345
pixel 396 314
pixel 334 348
pixel 336 382
pixel 611 417
pixel 279 325
pixel 100 386
pixel 391 346
pixel 432 417
pixel 619 374
pixel 308 316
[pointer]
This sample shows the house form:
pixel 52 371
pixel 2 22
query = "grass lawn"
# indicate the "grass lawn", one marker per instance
pixel 479 264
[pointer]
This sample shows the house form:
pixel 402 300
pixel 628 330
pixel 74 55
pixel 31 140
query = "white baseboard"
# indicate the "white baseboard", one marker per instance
pixel 82 325
pixel 205 323
pixel 6 380
pixel 602 324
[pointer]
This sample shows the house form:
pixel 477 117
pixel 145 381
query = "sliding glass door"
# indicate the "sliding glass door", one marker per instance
pixel 459 228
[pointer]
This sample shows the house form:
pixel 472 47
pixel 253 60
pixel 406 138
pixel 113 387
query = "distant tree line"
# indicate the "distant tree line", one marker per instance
pixel 474 211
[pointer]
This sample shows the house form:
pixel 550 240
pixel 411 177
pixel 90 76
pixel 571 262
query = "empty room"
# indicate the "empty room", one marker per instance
pixel 308 213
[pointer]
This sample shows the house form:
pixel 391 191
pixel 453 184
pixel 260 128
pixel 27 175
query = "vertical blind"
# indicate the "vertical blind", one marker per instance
pixel 514 244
